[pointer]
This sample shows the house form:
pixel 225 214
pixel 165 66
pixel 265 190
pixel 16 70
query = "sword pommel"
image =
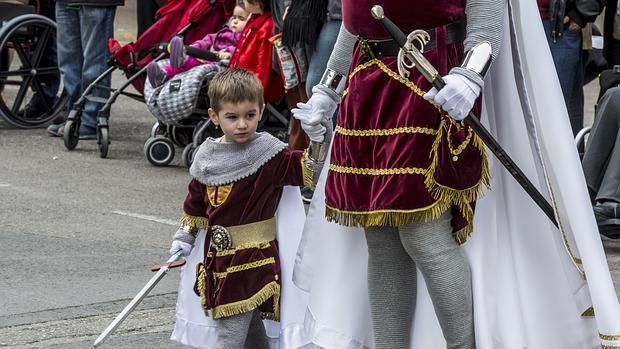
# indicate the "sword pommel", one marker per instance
pixel 377 12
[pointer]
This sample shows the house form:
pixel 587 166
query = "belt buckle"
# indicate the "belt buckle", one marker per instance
pixel 220 238
pixel 366 47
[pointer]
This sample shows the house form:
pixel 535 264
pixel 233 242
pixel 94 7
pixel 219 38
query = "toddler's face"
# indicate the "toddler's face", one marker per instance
pixel 239 19
pixel 237 120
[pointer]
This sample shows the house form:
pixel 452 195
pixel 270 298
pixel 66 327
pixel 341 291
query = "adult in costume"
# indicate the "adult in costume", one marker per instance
pixel 392 151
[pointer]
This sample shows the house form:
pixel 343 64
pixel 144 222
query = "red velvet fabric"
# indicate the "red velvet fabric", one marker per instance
pixel 407 15
pixel 251 199
pixel 254 53
pixel 377 101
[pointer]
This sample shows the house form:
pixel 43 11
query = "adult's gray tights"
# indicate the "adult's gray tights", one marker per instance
pixel 393 254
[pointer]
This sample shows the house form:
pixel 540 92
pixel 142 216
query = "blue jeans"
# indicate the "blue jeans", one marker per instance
pixel 83 52
pixel 318 62
pixel 566 52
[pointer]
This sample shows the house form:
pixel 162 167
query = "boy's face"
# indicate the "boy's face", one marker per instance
pixel 237 120
pixel 239 19
pixel 252 7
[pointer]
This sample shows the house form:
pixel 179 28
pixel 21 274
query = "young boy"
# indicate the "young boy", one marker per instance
pixel 237 184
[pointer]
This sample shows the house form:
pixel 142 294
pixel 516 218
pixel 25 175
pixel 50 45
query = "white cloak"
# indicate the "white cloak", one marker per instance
pixel 528 277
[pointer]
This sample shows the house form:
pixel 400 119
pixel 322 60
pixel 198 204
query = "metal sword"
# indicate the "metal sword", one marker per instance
pixel 137 299
pixel 432 75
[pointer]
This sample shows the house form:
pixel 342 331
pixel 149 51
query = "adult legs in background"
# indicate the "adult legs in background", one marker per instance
pixel 566 51
pixel 146 14
pixel 601 163
pixel 96 25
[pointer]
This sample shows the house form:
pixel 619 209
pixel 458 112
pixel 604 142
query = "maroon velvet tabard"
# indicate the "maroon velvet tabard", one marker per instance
pixel 406 14
pixel 396 158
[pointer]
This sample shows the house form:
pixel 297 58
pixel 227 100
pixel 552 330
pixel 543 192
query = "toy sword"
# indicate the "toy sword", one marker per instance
pixel 431 74
pixel 173 262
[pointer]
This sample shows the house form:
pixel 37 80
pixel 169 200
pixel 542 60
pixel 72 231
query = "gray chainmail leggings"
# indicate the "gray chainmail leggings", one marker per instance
pixel 242 331
pixel 393 254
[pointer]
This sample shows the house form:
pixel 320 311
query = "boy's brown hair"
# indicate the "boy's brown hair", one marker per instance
pixel 235 85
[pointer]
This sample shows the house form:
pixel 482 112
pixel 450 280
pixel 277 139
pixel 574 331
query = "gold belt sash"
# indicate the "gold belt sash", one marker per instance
pixel 224 238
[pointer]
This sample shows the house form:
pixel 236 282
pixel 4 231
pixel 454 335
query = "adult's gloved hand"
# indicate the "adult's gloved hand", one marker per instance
pixel 457 97
pixel 315 113
pixel 178 245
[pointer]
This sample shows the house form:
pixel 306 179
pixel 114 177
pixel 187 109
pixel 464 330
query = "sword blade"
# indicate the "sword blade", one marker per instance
pixel 429 72
pixel 136 300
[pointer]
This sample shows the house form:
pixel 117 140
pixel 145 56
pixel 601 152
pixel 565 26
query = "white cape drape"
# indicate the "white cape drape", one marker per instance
pixel 193 328
pixel 528 282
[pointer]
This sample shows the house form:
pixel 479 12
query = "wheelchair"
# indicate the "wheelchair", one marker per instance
pixel 24 38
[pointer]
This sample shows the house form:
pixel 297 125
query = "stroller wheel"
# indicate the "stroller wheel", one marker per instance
pixel 188 155
pixel 157 129
pixel 159 151
pixel 70 134
pixel 103 139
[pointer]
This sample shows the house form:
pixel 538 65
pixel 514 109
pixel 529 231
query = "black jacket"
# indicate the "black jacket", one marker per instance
pixel 97 2
pixel 580 11
pixel 610 50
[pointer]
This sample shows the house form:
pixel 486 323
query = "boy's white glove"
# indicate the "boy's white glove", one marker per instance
pixel 316 113
pixel 457 98
pixel 178 245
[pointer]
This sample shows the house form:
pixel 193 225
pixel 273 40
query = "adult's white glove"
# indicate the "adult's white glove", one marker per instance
pixel 457 97
pixel 178 245
pixel 316 113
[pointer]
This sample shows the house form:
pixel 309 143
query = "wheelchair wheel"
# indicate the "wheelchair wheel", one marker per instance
pixel 70 134
pixel 188 155
pixel 159 151
pixel 28 73
pixel 103 139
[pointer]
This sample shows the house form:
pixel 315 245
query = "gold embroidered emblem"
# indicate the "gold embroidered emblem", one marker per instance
pixel 218 195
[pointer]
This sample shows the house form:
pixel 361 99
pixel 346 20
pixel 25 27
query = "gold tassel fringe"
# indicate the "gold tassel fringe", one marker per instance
pixel 389 218
pixel 194 221
pixel 272 289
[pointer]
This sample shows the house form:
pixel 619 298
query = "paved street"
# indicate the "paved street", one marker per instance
pixel 78 234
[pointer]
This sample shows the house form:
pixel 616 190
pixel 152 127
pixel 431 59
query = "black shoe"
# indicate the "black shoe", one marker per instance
pixel 607 216
pixel 306 195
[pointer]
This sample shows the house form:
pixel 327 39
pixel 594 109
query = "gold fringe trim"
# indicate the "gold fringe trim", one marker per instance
pixel 603 346
pixel 610 337
pixel 390 218
pixel 588 312
pixel 462 235
pixel 377 171
pixel 232 251
pixel 201 285
pixel 385 132
pixel 243 267
pixel 272 289
pixel 194 221
pixel 307 172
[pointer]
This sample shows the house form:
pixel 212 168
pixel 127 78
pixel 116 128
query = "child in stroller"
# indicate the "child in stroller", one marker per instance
pixel 221 44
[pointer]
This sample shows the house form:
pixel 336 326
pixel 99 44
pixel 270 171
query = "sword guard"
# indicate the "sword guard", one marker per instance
pixel 170 265
pixel 405 60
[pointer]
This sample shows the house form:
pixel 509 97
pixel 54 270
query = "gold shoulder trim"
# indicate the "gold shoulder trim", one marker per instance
pixel 377 171
pixel 385 132
pixel 194 221
pixel 272 289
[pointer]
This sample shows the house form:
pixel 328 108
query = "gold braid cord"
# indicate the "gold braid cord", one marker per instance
pixel 445 196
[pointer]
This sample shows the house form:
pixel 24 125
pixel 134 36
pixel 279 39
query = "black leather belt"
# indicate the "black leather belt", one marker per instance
pixel 455 32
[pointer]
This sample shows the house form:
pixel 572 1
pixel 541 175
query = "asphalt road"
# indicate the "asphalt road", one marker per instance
pixel 79 233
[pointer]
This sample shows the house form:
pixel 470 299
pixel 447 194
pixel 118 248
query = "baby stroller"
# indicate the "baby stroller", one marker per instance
pixel 25 38
pixel 181 105
pixel 191 19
